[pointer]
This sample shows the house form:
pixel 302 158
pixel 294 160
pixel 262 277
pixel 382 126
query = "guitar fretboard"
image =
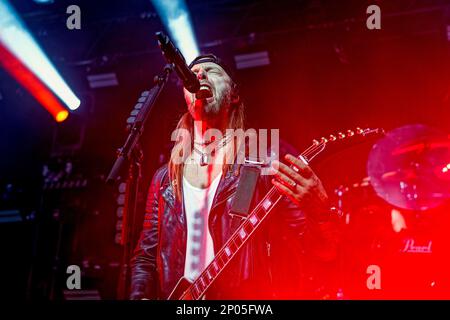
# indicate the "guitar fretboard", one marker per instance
pixel 256 217
pixel 236 241
pixel 243 233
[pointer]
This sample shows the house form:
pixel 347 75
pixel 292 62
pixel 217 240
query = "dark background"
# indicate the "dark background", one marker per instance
pixel 327 73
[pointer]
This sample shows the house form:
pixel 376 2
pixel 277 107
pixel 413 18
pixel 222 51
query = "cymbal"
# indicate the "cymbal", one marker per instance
pixel 410 167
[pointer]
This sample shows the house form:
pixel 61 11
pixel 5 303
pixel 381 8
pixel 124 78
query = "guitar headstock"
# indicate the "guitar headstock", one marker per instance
pixel 318 145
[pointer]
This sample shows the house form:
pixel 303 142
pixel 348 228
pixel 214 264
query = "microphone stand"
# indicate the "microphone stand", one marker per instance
pixel 131 153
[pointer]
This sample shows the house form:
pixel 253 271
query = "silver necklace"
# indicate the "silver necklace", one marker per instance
pixel 204 156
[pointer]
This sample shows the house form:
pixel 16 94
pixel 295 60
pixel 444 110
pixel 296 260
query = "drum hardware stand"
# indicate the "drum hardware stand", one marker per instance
pixel 340 192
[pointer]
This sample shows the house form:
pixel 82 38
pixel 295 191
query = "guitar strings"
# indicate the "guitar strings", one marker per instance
pixel 307 153
pixel 220 255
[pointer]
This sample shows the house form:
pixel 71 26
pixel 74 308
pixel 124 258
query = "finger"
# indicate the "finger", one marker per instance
pixel 287 181
pixel 283 189
pixel 286 191
pixel 305 170
pixel 291 173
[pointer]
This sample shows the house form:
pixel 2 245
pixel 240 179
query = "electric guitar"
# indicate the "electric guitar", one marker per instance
pixel 187 290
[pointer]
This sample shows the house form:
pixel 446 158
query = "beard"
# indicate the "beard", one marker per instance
pixel 205 110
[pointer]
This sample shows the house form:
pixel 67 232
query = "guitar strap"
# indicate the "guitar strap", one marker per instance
pixel 246 188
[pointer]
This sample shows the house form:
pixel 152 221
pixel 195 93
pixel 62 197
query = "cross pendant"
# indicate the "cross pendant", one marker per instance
pixel 203 159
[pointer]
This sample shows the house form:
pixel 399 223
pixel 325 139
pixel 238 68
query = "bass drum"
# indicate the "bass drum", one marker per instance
pixel 391 253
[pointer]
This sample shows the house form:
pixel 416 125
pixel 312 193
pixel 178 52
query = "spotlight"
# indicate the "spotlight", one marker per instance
pixel 175 16
pixel 34 86
pixel 18 41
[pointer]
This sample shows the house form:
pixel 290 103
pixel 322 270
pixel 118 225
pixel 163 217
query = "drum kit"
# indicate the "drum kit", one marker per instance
pixel 395 225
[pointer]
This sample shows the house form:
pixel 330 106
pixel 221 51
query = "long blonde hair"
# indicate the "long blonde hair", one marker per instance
pixel 186 122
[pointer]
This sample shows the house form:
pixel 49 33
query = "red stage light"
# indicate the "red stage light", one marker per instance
pixel 30 82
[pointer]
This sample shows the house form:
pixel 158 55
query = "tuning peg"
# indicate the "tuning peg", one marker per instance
pixel 359 130
pixel 315 142
pixel 341 135
pixel 332 138
pixel 323 140
pixel 350 133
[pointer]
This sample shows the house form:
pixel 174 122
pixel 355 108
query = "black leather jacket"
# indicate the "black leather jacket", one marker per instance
pixel 268 266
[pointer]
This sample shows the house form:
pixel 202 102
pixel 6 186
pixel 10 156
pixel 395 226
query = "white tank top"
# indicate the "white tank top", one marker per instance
pixel 199 247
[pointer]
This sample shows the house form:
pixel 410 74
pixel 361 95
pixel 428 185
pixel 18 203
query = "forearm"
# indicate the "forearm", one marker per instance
pixel 143 277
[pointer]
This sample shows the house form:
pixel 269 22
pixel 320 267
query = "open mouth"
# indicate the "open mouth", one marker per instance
pixel 204 92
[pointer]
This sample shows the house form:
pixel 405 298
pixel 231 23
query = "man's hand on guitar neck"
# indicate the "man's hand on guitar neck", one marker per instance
pixel 300 184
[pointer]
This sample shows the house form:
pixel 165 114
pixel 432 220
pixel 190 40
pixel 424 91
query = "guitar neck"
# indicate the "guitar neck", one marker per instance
pixel 242 234
pixel 257 216
pixel 234 244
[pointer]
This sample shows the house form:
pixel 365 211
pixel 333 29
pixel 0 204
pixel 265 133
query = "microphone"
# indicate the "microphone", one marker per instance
pixel 174 56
